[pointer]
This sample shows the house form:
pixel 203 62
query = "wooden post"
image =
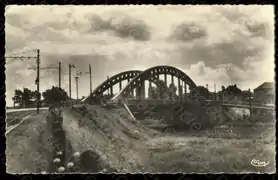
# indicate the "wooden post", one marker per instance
pixel 38 81
pixel 250 106
pixel 90 72
pixel 59 69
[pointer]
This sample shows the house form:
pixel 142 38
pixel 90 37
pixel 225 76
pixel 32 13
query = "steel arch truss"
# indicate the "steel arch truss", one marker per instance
pixel 114 80
pixel 152 75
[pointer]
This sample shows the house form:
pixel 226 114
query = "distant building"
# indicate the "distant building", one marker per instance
pixel 265 93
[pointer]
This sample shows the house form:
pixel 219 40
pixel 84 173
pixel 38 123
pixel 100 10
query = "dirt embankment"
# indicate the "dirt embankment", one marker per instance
pixel 128 146
pixel 111 133
pixel 28 147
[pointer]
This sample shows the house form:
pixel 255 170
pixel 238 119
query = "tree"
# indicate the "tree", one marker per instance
pixel 55 95
pixel 24 98
pixel 13 101
pixel 17 96
pixel 27 97
pixel 231 92
pixel 199 92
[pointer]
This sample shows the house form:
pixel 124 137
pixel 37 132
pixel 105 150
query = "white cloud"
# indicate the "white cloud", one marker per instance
pixel 212 35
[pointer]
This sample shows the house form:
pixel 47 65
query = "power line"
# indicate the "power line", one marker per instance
pixel 90 75
pixel 37 81
pixel 51 67
pixel 24 52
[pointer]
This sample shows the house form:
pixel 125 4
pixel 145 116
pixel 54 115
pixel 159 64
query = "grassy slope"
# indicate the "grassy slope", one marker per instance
pixel 28 146
pixel 129 146
pixel 210 155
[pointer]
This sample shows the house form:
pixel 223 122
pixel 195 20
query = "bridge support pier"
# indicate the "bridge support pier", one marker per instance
pixel 165 79
pixel 120 85
pixel 150 90
pixel 132 93
pixel 172 79
pixel 185 88
pixel 137 92
pixel 111 90
pixel 179 90
pixel 142 90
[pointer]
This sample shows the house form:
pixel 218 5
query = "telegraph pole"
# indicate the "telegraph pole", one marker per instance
pixel 59 69
pixel 215 92
pixel 76 78
pixel 38 81
pixel 90 73
pixel 250 106
pixel 70 66
pixel 107 89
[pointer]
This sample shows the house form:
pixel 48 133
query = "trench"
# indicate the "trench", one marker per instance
pixel 58 159
pixel 64 159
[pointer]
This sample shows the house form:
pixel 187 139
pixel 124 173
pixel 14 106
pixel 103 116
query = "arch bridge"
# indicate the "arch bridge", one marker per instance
pixel 132 88
pixel 136 83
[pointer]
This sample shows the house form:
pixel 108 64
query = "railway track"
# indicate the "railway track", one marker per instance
pixel 12 127
pixel 17 119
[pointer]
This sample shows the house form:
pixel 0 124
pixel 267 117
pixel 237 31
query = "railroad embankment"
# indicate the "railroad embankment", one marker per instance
pixel 28 146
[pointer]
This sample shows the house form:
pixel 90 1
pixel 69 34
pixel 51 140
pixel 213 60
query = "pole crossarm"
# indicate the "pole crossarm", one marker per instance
pixel 34 68
pixel 21 57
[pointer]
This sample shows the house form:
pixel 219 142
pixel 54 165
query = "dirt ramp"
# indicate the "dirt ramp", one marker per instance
pixel 120 118
pixel 116 138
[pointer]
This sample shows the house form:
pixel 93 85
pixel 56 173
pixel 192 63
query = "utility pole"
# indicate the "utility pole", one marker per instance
pixel 76 78
pixel 215 92
pixel 46 68
pixel 37 81
pixel 59 69
pixel 90 73
pixel 107 89
pixel 79 74
pixel 250 107
pixel 70 66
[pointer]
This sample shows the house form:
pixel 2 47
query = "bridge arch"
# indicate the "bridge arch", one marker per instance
pixel 152 74
pixel 112 81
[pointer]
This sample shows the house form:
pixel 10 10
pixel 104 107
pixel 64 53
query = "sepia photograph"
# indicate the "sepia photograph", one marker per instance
pixel 140 89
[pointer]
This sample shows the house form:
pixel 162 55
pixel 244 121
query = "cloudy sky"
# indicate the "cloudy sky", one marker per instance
pixel 200 40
